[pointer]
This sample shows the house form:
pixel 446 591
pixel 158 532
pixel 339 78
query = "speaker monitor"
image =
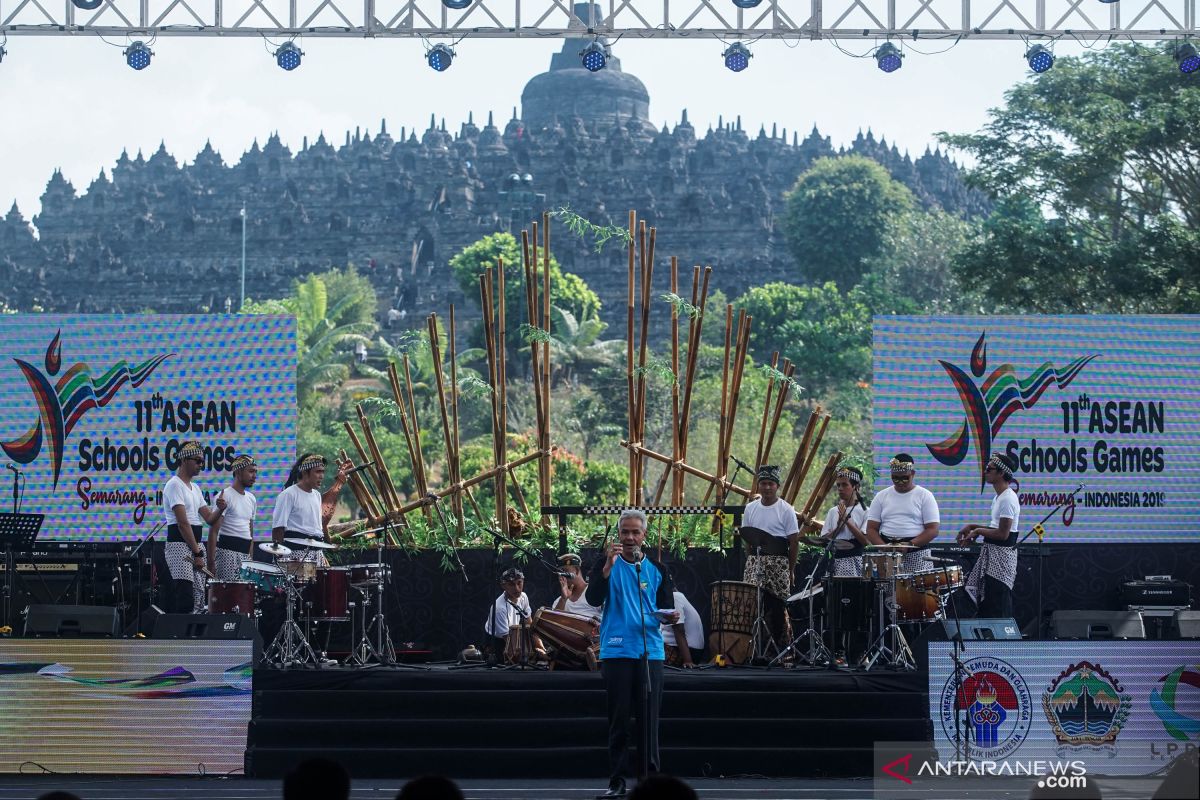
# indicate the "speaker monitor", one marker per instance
pixel 985 628
pixel 1089 624
pixel 72 621
pixel 1187 624
pixel 207 626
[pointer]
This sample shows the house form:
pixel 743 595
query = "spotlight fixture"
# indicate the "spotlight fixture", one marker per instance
pixel 288 56
pixel 137 55
pixel 1187 58
pixel 457 5
pixel 1109 2
pixel 594 57
pixel 440 57
pixel 3 52
pixel 1040 59
pixel 87 5
pixel 746 3
pixel 737 56
pixel 888 57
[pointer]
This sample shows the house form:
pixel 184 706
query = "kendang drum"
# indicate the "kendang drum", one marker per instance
pixel 266 578
pixel 328 599
pixel 572 636
pixel 848 604
pixel 231 597
pixel 937 580
pixel 734 607
pixel 915 604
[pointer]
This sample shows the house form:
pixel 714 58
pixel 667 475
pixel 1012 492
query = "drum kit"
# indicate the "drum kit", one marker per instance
pixel 314 593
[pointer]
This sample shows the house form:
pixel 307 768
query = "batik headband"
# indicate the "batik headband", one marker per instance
pixel 191 450
pixel 769 473
pixel 999 463
pixel 850 473
pixel 312 462
pixel 241 462
pixel 899 467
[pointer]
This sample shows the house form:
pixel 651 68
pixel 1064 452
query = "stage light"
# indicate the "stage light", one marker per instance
pixel 1040 59
pixel 137 55
pixel 594 58
pixel 288 56
pixel 440 57
pixel 457 5
pixel 88 5
pixel 888 57
pixel 1187 58
pixel 737 57
pixel 746 3
pixel 3 52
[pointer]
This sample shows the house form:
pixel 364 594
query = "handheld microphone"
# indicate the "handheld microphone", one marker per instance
pixel 14 468
pixel 636 552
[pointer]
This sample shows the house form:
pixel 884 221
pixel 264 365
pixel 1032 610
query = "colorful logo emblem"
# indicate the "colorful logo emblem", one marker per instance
pixel 994 705
pixel 1165 702
pixel 63 403
pixel 1086 706
pixel 989 405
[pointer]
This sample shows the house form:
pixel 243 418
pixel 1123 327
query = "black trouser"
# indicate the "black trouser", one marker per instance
pixel 623 682
pixel 997 599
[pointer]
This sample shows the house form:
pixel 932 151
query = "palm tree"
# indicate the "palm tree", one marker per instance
pixel 577 345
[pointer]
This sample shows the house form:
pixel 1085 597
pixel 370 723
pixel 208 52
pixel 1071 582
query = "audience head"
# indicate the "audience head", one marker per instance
pixel 430 787
pixel 58 795
pixel 1183 778
pixel 317 779
pixel 662 787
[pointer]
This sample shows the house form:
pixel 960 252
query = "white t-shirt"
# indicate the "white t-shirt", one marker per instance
pixel 858 516
pixel 1007 505
pixel 904 516
pixel 693 629
pixel 505 616
pixel 777 519
pixel 239 513
pixel 582 608
pixel 178 493
pixel 298 510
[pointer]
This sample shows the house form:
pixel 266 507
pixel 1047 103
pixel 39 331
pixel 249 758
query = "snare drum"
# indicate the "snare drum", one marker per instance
pixel 882 566
pixel 914 603
pixel 362 574
pixel 936 580
pixel 267 578
pixel 231 597
pixel 329 595
pixel 300 571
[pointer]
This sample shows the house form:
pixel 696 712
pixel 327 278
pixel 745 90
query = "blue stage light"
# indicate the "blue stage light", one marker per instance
pixel 3 52
pixel 1187 58
pixel 440 57
pixel 457 5
pixel 737 57
pixel 288 56
pixel 594 58
pixel 1040 59
pixel 87 5
pixel 746 3
pixel 888 57
pixel 137 55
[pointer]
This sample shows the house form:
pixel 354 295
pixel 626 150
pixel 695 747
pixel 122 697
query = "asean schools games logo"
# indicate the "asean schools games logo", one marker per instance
pixel 997 708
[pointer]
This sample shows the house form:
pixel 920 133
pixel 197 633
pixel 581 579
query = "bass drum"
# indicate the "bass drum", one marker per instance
pixel 231 597
pixel 916 604
pixel 734 606
pixel 848 604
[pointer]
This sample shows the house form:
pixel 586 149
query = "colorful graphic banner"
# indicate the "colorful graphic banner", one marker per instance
pixel 93 410
pixel 1121 707
pixel 1111 403
pixel 124 706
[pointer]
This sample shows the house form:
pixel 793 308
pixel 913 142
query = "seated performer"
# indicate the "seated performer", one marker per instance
pixel 511 610
pixel 572 599
pixel 186 512
pixel 232 535
pixel 684 640
pixel 301 512
pixel 771 513
pixel 905 512
pixel 991 580
pixel 846 522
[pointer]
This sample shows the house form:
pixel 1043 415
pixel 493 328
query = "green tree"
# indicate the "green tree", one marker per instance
pixel 1097 163
pixel 916 275
pixel 840 216
pixel 577 346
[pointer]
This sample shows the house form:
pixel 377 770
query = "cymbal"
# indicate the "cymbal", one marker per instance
pixel 935 560
pixel 272 549
pixel 313 544
pixel 806 593
pixel 889 548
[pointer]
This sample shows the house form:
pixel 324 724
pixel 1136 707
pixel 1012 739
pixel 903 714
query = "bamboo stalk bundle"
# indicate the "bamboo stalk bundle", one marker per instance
pixel 456 504
pixel 823 485
pixel 631 413
pixel 689 469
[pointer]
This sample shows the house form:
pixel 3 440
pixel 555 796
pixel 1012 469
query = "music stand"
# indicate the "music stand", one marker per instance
pixel 17 533
pixel 763 544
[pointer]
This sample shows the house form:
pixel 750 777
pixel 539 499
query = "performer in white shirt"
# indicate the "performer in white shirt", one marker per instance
pixel 185 513
pixel 905 512
pixel 991 580
pixel 301 511
pixel 572 599
pixel 684 640
pixel 511 610
pixel 232 536
pixel 846 523
pixel 774 515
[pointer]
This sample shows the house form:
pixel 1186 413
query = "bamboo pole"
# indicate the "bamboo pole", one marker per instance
pixel 489 333
pixel 421 476
pixel 812 454
pixel 435 352
pixel 676 478
pixel 695 329
pixel 788 370
pixel 631 397
pixel 646 259
pixel 544 443
pixel 688 468
pixel 358 489
pixel 762 428
pixel 381 470
pixel 402 405
pixel 801 451
pixel 821 489
pixel 502 389
pixel 456 504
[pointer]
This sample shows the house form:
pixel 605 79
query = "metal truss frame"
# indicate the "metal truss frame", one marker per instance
pixel 1088 20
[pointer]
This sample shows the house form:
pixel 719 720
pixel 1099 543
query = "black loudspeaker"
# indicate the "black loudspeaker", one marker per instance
pixel 1002 628
pixel 207 626
pixel 97 622
pixel 1090 624
pixel 1187 624
pixel 144 624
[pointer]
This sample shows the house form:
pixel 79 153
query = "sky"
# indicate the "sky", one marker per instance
pixel 71 103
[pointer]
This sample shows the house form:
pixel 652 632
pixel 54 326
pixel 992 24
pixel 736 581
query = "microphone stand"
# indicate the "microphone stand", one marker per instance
pixel 721 497
pixel 644 667
pixel 1041 533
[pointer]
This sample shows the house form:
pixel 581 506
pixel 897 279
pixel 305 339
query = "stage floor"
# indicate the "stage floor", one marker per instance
pixel 237 788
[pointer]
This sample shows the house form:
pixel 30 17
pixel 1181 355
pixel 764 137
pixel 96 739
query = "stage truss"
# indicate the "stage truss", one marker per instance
pixel 1087 20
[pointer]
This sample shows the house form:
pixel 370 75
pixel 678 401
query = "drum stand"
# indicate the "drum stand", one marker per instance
pixel 290 648
pixel 897 654
pixel 759 632
pixel 818 653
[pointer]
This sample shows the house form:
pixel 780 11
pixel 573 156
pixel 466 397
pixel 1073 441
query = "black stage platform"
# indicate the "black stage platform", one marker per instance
pixel 390 723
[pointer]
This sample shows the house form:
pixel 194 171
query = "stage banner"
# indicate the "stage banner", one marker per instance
pixel 93 410
pixel 1107 403
pixel 124 706
pixel 1121 707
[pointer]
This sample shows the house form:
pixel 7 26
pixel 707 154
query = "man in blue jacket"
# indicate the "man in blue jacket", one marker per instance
pixel 637 595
